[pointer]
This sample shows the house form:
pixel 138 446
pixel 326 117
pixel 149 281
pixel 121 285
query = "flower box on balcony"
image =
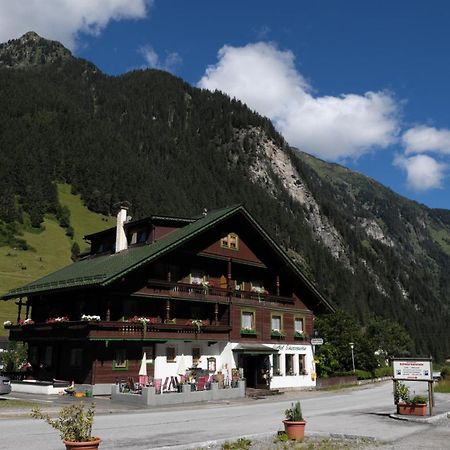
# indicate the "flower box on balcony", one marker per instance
pixel 299 336
pixel 248 332
pixel 277 334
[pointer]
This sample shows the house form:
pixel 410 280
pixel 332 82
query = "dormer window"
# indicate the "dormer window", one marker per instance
pixel 230 241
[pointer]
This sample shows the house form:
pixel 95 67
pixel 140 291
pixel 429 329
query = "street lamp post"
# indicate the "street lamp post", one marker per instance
pixel 352 346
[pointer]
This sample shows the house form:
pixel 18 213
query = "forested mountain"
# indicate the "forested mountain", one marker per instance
pixel 167 147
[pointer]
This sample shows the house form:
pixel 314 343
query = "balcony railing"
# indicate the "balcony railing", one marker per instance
pixel 120 329
pixel 198 291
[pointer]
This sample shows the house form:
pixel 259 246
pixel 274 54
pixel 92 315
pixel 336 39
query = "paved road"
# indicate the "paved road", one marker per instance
pixel 362 412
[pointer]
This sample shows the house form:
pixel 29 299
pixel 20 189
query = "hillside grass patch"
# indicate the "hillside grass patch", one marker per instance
pixel 443 387
pixel 49 249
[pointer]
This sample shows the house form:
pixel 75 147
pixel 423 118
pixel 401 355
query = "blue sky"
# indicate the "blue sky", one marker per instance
pixel 362 83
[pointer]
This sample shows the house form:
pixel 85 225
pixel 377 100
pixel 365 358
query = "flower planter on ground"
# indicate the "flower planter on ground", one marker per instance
pixel 88 445
pixel 412 409
pixel 294 425
pixel 294 430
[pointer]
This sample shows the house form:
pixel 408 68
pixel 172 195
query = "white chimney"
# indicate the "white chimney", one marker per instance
pixel 121 237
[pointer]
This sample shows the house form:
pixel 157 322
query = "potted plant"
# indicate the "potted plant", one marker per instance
pixel 416 406
pixel 294 424
pixel 74 425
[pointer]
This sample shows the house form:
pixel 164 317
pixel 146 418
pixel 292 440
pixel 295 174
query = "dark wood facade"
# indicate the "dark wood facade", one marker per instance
pixel 227 270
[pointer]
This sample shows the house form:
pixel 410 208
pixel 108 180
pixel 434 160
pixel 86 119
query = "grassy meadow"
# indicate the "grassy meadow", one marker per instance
pixel 50 249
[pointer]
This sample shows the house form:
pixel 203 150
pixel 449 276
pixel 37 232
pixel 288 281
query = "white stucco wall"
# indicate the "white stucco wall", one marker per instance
pixel 227 360
pixel 285 381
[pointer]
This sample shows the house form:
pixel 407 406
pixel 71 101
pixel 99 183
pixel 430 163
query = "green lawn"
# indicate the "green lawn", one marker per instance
pixel 51 249
pixel 443 386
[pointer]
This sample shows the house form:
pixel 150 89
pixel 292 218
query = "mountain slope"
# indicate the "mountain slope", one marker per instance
pixel 150 138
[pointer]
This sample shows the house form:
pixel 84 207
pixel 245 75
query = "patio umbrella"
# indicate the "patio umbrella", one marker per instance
pixel 181 370
pixel 143 377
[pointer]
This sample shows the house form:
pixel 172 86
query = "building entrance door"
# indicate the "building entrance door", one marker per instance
pixel 256 370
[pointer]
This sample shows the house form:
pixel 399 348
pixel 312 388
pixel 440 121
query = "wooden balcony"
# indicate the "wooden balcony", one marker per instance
pixel 209 293
pixel 103 330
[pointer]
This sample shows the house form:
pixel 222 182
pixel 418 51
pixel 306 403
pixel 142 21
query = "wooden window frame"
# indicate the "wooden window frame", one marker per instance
pixel 303 319
pixel 252 311
pixel 281 316
pixel 225 241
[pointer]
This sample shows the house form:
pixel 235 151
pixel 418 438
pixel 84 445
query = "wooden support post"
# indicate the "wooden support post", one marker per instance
pixel 167 310
pixel 27 311
pixel 278 285
pixel 229 275
pixel 19 309
pixel 169 276
pixel 430 397
pixel 216 313
pixel 108 311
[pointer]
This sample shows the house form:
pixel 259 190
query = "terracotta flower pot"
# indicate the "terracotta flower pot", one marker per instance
pixel 418 409
pixel 89 445
pixel 294 430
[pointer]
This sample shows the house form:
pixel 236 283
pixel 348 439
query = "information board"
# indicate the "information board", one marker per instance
pixel 412 369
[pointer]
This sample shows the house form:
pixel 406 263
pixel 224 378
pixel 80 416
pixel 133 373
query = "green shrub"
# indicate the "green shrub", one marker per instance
pixel 294 413
pixel 445 373
pixel 363 374
pixel 381 372
pixel 240 444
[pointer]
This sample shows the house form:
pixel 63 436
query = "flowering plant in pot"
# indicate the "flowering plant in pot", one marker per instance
pixel 74 425
pixel 294 424
pixel 415 406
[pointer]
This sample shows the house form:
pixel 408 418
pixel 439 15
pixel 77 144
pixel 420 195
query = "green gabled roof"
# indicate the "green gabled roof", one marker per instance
pixel 104 269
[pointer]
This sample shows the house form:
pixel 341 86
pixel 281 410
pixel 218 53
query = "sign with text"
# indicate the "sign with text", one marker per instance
pixel 412 369
pixel 316 341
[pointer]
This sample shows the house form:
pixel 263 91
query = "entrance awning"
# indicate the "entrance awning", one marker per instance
pixel 254 349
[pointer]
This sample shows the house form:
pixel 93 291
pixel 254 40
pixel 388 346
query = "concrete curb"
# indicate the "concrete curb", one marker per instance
pixel 421 419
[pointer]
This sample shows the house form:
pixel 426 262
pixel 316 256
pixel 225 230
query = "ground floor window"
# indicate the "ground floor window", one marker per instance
pixel 76 357
pixel 120 361
pixel 276 369
pixel 171 354
pixel 301 365
pixel 34 354
pixel 289 364
pixel 48 356
pixel 195 356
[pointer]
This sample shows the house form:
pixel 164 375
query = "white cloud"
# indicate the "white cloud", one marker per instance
pixel 422 139
pixel 423 172
pixel 153 60
pixel 333 128
pixel 63 20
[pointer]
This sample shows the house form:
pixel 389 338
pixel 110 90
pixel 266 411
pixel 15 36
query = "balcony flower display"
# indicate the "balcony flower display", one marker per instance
pixel 206 285
pixel 7 323
pixel 26 322
pixel 136 319
pixel 58 319
pixel 89 318
pixel 249 331
pixel 197 323
pixel 277 334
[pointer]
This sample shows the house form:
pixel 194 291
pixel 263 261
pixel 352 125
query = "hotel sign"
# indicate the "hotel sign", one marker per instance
pixel 298 348
pixel 412 369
